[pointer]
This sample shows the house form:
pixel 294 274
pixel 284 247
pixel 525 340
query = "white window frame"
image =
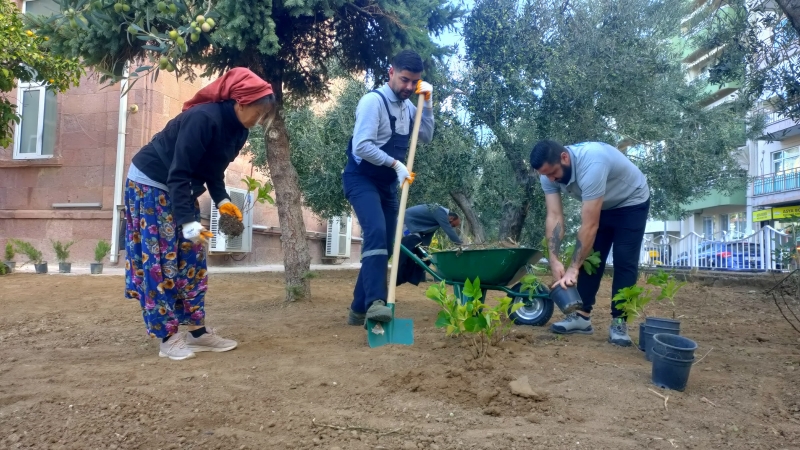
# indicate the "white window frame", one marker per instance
pixel 784 160
pixel 22 88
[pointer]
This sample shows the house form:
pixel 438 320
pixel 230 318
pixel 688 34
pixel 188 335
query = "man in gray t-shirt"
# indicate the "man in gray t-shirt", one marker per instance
pixel 615 204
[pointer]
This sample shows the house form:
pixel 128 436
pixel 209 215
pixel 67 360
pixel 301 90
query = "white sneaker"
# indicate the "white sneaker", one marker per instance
pixel 573 323
pixel 210 342
pixel 175 348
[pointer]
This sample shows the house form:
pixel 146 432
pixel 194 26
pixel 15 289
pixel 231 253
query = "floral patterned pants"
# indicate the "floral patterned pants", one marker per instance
pixel 164 271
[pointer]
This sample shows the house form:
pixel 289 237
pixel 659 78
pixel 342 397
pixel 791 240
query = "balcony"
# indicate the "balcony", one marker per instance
pixel 696 28
pixel 716 198
pixel 776 183
pixel 779 126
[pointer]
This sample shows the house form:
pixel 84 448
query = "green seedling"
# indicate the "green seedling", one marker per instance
pixel 480 324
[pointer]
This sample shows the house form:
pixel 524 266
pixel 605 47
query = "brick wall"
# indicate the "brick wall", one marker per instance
pixel 82 170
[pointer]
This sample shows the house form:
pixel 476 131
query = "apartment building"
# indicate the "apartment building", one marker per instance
pixel 62 178
pixel 716 216
pixel 774 194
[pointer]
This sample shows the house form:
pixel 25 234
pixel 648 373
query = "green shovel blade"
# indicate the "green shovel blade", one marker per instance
pixel 396 331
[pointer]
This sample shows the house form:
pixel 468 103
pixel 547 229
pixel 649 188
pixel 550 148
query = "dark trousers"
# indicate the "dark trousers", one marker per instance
pixel 376 206
pixel 624 228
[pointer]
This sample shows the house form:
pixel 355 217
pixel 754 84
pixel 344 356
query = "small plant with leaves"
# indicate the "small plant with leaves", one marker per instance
pixel 33 254
pixel 531 282
pixel 668 286
pixel 10 252
pixel 480 324
pixel 631 301
pixel 261 191
pixel 101 250
pixel 590 265
pixel 62 250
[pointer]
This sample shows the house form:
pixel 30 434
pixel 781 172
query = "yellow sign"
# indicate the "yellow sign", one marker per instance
pixel 764 214
pixel 785 212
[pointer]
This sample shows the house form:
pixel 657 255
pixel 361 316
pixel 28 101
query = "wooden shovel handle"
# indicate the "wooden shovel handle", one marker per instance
pixel 398 233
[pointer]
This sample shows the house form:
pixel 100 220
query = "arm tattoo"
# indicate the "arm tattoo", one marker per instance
pixel 577 252
pixel 555 240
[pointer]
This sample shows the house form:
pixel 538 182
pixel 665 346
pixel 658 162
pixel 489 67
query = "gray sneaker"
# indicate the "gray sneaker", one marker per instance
pixel 355 318
pixel 618 333
pixel 573 323
pixel 175 348
pixel 379 312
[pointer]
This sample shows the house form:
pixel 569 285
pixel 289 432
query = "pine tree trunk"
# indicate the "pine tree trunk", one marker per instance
pixel 296 258
pixel 474 224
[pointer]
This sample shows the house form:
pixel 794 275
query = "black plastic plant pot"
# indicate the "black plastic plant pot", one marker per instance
pixel 670 373
pixel 648 333
pixel 642 336
pixel 568 300
pixel 96 268
pixel 41 268
pixel 670 324
pixel 674 346
pixel 64 267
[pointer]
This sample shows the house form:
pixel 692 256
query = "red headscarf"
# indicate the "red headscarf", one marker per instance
pixel 239 84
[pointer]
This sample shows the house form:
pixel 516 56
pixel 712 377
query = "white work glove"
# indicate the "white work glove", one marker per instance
pixel 195 232
pixel 402 173
pixel 426 89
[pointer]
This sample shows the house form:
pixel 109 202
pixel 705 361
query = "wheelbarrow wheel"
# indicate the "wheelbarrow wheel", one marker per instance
pixel 535 311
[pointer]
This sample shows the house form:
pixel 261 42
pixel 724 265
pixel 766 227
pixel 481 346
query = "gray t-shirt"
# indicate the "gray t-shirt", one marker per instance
pixel 600 170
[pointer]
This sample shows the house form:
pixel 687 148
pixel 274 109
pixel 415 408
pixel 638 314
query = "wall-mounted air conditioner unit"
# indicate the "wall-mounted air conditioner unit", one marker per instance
pixel 221 243
pixel 340 235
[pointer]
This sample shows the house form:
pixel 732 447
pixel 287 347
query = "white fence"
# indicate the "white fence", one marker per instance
pixel 766 250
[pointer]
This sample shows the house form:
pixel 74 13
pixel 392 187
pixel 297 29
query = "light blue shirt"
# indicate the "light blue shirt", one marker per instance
pixel 372 129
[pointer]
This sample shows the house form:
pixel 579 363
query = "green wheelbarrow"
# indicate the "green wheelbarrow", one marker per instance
pixel 497 269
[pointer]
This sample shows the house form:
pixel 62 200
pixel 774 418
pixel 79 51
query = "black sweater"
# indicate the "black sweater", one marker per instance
pixel 193 150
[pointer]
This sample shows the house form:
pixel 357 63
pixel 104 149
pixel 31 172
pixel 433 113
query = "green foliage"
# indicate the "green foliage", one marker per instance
pixel 632 300
pixel 3 269
pixel 766 67
pixel 787 251
pixel 26 57
pixel 590 265
pixel 537 70
pixel 26 248
pixel 473 319
pixel 62 249
pixel 9 253
pixel 101 250
pixel 266 37
pixel 261 192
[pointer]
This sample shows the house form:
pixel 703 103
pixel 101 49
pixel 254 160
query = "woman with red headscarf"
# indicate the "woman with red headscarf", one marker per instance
pixel 166 261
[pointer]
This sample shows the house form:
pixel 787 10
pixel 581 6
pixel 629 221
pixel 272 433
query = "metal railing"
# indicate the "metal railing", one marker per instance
pixel 785 180
pixel 771 117
pixel 765 250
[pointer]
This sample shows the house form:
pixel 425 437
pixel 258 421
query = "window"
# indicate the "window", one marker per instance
pixel 786 159
pixel 723 223
pixel 41 7
pixel 35 135
pixel 708 227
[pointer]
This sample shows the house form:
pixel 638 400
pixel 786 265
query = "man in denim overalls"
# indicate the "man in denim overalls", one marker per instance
pixel 375 168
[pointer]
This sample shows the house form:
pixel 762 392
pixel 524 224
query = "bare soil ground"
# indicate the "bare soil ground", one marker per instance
pixel 78 372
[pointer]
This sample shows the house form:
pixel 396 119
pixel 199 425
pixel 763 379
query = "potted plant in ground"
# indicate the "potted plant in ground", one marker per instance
pixel 62 255
pixel 632 301
pixel 101 250
pixel 9 257
pixel 33 254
